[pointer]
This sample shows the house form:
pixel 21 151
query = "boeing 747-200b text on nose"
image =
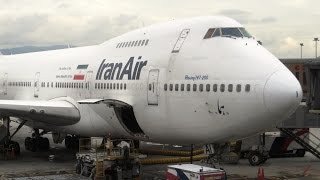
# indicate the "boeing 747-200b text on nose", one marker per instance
pixel 193 81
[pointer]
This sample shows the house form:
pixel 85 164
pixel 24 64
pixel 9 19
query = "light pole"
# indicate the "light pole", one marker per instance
pixel 316 41
pixel 301 44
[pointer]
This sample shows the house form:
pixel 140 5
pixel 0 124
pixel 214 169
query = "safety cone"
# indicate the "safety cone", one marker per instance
pixel 260 174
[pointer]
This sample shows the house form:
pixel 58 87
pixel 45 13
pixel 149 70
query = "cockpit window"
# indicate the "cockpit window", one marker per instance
pixel 209 33
pixel 227 32
pixel 234 32
pixel 217 33
pixel 245 33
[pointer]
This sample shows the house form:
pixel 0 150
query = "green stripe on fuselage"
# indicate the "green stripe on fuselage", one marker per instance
pixel 82 66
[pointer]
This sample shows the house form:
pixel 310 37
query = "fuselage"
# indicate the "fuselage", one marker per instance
pixel 183 87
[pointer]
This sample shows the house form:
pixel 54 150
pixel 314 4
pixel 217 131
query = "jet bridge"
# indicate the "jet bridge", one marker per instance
pixel 308 113
pixel 312 70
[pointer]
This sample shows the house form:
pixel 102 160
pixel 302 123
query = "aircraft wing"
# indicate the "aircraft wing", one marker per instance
pixel 109 102
pixel 55 112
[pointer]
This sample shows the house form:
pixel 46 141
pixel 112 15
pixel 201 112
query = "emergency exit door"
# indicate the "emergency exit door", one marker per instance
pixel 5 84
pixel 88 84
pixel 182 37
pixel 153 90
pixel 36 84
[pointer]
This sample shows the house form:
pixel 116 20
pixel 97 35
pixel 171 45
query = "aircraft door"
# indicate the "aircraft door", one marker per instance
pixel 36 85
pixel 183 35
pixel 88 84
pixel 153 90
pixel 5 84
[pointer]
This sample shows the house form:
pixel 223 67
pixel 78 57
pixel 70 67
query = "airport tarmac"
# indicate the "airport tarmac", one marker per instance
pixel 31 165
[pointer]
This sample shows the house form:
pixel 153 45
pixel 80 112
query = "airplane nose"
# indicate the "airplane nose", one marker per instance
pixel 282 94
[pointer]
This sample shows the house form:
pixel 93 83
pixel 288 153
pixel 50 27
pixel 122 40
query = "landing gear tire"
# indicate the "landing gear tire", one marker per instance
pixel 300 153
pixel 27 143
pixel 255 159
pixel 44 144
pixel 16 147
pixel 67 142
pixel 35 144
pixel 71 142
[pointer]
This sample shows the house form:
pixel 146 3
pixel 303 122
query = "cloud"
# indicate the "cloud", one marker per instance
pixel 246 17
pixel 268 20
pixel 87 22
pixel 241 16
pixel 18 30
pixel 288 44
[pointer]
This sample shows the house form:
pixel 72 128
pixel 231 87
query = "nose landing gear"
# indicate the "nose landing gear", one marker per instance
pixel 256 158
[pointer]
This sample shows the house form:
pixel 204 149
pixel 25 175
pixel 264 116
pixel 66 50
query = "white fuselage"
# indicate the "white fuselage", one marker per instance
pixel 175 56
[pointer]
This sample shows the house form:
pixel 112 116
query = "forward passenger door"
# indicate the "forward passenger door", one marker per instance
pixel 5 84
pixel 36 85
pixel 153 90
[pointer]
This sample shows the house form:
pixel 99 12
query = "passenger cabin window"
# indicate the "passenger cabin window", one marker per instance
pixel 215 88
pixel 239 88
pixel 171 87
pixel 194 87
pixel 222 87
pixel 188 87
pixel 208 87
pixel 247 88
pixel 176 87
pixel 230 87
pixel 201 87
pixel 165 87
pixel 182 87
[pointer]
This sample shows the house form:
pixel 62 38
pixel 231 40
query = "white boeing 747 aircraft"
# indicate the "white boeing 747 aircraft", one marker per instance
pixel 194 81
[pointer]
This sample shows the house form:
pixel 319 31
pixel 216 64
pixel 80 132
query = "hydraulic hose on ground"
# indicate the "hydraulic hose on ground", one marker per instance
pixel 171 160
pixel 170 152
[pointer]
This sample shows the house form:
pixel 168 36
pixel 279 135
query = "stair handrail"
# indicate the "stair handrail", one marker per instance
pixel 302 142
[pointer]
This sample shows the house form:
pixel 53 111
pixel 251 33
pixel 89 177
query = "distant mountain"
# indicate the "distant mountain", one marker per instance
pixel 27 49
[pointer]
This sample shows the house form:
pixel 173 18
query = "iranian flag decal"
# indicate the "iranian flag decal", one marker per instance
pixel 80 75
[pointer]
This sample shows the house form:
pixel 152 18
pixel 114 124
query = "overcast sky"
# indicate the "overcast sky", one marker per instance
pixel 280 24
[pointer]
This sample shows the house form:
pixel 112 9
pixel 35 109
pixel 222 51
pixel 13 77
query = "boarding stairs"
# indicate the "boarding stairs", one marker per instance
pixel 307 140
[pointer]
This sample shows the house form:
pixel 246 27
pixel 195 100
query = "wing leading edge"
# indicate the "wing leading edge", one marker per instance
pixel 55 112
